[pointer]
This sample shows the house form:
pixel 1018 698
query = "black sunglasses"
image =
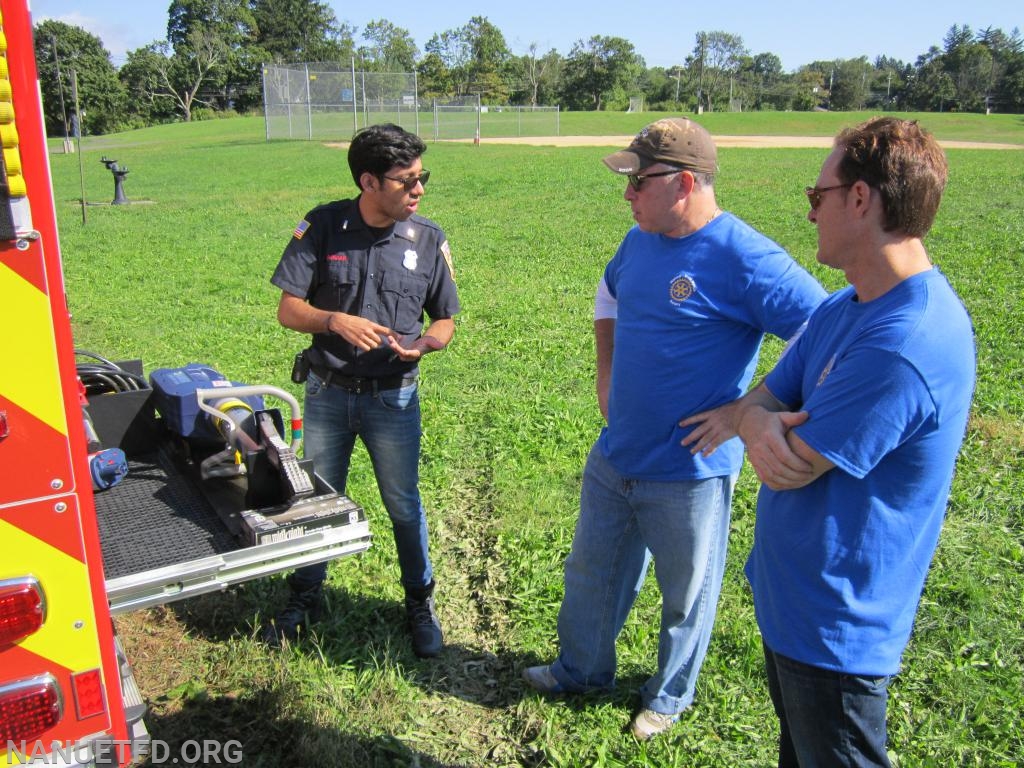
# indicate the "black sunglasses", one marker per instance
pixel 636 180
pixel 411 182
pixel 814 194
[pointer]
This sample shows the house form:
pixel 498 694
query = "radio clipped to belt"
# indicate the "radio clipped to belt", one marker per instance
pixel 300 368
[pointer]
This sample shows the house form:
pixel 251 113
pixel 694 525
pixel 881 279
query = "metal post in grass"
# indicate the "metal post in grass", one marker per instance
pixel 309 105
pixel 78 140
pixel 416 99
pixel 478 121
pixel 355 113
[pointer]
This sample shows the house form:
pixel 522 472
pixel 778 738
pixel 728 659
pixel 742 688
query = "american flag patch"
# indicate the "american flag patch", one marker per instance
pixel 301 229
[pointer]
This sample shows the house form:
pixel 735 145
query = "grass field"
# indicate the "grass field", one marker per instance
pixel 509 414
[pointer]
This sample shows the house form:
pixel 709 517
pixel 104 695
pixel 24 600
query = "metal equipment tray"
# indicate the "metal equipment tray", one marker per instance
pixel 166 535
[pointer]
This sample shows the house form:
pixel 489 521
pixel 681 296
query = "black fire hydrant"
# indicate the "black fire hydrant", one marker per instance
pixel 119 174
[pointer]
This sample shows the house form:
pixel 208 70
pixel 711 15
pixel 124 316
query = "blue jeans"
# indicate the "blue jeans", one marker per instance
pixel 623 523
pixel 388 423
pixel 827 718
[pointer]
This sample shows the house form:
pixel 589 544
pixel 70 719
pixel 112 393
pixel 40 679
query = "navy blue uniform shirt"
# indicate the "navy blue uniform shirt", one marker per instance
pixel 337 263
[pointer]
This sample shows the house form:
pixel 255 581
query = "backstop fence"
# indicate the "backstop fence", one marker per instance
pixel 321 101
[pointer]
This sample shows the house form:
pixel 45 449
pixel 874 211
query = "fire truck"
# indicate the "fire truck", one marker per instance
pixel 182 484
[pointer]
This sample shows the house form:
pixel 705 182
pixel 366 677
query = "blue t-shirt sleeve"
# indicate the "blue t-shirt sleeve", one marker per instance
pixel 866 406
pixel 784 380
pixel 782 295
pixel 611 269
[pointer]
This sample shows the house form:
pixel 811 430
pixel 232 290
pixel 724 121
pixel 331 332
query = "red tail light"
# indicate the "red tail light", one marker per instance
pixel 22 609
pixel 28 708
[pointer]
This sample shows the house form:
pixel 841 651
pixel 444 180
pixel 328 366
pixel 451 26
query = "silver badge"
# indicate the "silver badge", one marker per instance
pixel 409 262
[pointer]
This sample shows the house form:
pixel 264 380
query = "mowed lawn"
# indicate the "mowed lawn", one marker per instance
pixel 182 275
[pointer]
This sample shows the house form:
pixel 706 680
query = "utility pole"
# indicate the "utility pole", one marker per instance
pixel 68 148
pixel 700 80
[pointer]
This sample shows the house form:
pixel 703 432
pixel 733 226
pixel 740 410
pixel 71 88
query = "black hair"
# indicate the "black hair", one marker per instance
pixel 377 149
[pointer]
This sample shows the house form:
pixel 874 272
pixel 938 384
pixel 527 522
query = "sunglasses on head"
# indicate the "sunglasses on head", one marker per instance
pixel 410 182
pixel 814 194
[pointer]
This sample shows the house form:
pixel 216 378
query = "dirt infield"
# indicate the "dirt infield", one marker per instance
pixel 722 141
pixel 778 142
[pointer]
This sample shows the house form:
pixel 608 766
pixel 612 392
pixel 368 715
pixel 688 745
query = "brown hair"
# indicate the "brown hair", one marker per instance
pixel 904 163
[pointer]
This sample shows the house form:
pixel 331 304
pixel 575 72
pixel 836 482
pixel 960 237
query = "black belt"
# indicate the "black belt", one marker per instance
pixel 359 385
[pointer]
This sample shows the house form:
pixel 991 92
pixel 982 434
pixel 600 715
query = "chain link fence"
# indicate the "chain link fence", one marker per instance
pixel 324 102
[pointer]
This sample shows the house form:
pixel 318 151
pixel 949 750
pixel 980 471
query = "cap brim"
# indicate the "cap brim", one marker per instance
pixel 627 162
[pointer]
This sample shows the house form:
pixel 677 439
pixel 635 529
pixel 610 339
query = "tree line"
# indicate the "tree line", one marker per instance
pixel 210 63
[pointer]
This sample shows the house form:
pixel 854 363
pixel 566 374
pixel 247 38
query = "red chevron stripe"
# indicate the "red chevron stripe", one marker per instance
pixel 28 264
pixel 34 456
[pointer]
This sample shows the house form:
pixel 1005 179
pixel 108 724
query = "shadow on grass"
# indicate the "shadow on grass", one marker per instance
pixel 369 633
pixel 257 731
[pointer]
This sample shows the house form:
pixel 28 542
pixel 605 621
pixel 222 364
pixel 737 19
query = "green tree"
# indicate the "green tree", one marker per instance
pixel 715 61
pixel 433 77
pixel 231 21
pixel 293 31
pixel 141 76
pixel 445 69
pixel 1002 90
pixel 757 82
pixel 930 87
pixel 490 61
pixel 473 59
pixel 1010 95
pixel 101 96
pixel 391 48
pixel 807 89
pixel 600 71
pixel 970 65
pixel 183 74
pixel 659 88
pixel 537 77
pixel 850 85
pixel 891 76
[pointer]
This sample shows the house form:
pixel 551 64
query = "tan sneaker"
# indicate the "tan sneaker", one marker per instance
pixel 647 724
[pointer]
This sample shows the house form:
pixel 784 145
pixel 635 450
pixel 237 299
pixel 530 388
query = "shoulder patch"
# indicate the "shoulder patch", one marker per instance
pixel 446 251
pixel 300 230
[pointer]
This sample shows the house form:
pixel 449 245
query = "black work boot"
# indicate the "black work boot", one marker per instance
pixel 304 607
pixel 424 627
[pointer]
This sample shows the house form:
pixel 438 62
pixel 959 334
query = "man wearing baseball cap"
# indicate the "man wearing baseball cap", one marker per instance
pixel 679 317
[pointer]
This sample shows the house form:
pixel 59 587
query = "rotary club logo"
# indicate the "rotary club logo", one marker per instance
pixel 682 288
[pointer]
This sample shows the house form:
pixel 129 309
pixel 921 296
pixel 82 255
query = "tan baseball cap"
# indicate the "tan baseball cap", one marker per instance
pixel 675 141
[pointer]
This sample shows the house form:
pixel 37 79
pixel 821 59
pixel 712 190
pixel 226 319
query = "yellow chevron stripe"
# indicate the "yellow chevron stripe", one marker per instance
pixel 69 635
pixel 29 377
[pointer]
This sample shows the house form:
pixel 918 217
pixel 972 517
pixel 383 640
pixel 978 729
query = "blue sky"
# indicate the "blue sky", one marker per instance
pixel 797 32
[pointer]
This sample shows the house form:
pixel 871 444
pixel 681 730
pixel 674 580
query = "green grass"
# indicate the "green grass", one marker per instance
pixel 945 125
pixel 509 414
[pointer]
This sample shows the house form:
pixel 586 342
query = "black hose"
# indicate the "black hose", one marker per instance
pixel 104 377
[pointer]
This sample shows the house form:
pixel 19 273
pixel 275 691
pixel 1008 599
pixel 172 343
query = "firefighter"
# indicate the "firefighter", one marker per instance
pixel 359 275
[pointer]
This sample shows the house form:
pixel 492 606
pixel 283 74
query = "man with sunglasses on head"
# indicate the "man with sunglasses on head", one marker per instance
pixel 854 436
pixel 359 275
pixel 679 317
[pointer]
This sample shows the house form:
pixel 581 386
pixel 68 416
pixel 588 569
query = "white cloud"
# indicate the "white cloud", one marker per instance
pixel 117 38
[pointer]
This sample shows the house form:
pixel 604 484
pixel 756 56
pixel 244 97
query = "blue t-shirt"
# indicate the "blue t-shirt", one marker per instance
pixel 692 312
pixel 838 566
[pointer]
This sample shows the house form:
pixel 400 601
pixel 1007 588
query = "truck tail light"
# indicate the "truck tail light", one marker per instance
pixel 22 609
pixel 28 708
pixel 87 688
